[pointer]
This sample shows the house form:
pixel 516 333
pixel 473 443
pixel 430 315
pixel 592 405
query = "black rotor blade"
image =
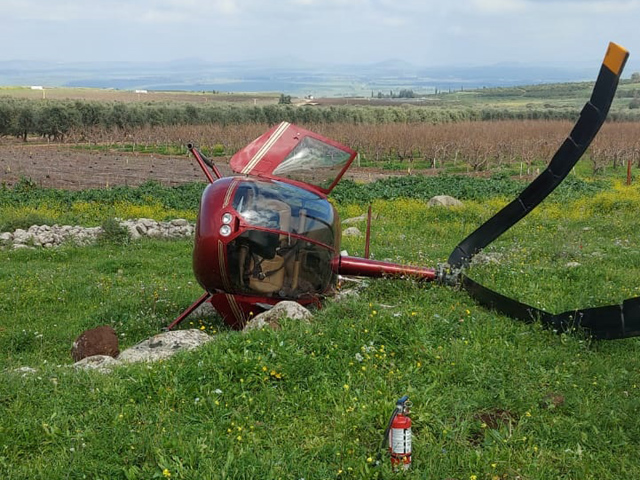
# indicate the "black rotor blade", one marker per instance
pixel 607 322
pixel 591 119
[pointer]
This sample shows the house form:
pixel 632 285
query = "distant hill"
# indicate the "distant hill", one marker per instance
pixel 288 75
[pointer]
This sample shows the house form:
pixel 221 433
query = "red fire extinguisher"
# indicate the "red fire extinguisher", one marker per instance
pixel 399 435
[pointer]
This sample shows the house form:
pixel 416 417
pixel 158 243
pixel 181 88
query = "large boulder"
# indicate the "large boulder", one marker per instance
pixel 164 345
pixel 444 201
pixel 351 232
pixel 101 363
pixel 96 341
pixel 271 318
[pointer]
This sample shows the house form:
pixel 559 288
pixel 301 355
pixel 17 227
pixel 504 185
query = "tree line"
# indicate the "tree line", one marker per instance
pixel 55 119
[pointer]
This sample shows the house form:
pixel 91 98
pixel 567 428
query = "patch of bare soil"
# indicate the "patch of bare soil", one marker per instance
pixel 61 166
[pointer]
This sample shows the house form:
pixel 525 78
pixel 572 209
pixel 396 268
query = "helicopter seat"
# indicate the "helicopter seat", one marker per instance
pixel 282 210
pixel 271 276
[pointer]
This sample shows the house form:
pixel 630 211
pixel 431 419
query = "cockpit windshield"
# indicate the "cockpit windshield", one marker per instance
pixel 291 153
pixel 314 162
pixel 287 208
pixel 278 262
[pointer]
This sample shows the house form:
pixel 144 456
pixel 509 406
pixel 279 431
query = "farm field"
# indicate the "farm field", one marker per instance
pixel 101 158
pixel 492 397
pixel 113 95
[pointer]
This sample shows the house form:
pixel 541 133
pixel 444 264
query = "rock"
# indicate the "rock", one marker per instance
pixel 52 236
pixel 572 264
pixel 101 363
pixel 271 318
pixel 134 233
pixel 204 310
pixel 164 345
pixel 349 221
pixel 96 341
pixel 444 201
pixel 21 236
pixel 487 258
pixel 147 222
pixel 351 232
pixel 25 371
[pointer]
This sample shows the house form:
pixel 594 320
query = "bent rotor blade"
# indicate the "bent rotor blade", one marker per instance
pixel 607 322
pixel 591 119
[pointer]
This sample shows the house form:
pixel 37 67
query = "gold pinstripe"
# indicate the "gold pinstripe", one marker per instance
pixel 266 147
pixel 227 197
pixel 235 308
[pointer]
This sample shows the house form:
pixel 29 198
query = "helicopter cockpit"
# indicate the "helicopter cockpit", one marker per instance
pixel 286 243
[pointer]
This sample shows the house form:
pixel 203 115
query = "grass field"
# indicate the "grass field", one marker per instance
pixel 113 95
pixel 493 398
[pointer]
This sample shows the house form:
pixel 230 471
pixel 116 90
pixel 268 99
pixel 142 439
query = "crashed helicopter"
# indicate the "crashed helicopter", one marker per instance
pixel 269 233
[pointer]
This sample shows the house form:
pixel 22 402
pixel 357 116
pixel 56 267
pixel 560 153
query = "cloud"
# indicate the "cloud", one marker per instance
pixel 503 7
pixel 161 11
pixel 419 31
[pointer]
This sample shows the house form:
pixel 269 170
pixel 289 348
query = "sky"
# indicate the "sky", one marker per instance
pixel 423 32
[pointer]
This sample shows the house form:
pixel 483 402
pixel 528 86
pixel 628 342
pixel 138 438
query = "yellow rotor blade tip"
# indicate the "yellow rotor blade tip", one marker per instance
pixel 615 58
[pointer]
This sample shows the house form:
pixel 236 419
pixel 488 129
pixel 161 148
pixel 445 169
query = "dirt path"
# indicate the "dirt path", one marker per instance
pixel 60 166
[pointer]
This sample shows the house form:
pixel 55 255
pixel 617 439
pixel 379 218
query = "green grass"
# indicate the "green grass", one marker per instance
pixel 492 397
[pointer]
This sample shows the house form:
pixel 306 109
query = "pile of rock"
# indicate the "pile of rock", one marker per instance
pixel 145 227
pixel 49 236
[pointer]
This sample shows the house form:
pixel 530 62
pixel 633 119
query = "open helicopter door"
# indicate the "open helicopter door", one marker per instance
pixel 295 155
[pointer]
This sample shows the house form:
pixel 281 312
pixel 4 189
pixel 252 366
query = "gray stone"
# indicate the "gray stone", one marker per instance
pixel 134 233
pixel 164 345
pixel 147 222
pixel 271 318
pixel 359 219
pixel 204 310
pixel 25 371
pixel 444 201
pixel 487 258
pixel 21 236
pixel 53 236
pixel 100 363
pixel 351 232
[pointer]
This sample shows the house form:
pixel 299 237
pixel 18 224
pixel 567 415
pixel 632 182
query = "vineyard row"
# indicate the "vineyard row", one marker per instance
pixel 479 145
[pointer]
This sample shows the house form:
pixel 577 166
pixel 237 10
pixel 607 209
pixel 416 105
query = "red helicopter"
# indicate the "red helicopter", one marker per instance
pixel 270 234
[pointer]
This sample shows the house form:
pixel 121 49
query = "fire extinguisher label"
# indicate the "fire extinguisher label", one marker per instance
pixel 401 441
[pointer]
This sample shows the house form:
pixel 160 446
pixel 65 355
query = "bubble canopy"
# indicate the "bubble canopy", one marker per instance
pixel 295 155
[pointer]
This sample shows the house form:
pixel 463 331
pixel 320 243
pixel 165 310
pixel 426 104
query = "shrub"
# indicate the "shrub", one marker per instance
pixel 113 232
